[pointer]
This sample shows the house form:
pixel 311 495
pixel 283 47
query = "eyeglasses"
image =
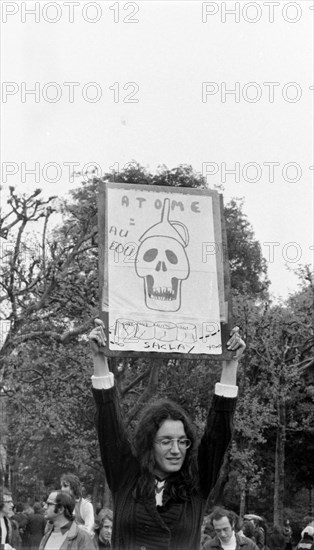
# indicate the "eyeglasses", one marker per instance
pixel 49 503
pixel 167 443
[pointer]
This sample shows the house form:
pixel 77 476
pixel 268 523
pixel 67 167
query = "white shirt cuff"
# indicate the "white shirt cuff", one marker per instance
pixel 103 382
pixel 226 390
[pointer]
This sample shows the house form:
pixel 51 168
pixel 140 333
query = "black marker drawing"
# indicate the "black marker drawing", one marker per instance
pixel 162 262
pixel 128 330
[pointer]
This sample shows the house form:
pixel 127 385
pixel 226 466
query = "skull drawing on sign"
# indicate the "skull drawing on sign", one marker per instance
pixel 162 262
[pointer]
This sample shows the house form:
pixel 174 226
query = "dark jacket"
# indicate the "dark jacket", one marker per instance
pixel 243 543
pixel 259 535
pixel 287 533
pixel 276 541
pixel 138 524
pixel 13 536
pixel 8 526
pixel 77 538
pixel 22 520
pixel 35 530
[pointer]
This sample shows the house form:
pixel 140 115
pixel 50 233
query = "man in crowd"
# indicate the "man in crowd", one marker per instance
pixel 225 526
pixel 35 527
pixel 287 533
pixel 9 530
pixel 104 528
pixel 21 520
pixel 84 511
pixel 63 533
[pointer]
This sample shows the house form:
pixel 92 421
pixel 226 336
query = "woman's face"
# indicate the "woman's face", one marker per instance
pixel 66 487
pixel 106 530
pixel 169 449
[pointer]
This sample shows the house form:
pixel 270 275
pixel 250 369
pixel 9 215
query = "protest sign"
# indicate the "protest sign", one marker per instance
pixel 164 276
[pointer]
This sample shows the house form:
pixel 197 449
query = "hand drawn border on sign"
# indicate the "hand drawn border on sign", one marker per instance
pixel 222 266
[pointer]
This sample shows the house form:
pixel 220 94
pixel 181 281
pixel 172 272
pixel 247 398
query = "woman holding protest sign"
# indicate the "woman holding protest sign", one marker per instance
pixel 160 489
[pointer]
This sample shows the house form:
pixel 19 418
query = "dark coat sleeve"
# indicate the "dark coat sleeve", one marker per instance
pixel 215 441
pixel 259 538
pixel 115 449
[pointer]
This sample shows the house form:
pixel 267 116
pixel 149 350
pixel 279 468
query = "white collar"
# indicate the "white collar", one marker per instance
pixel 159 490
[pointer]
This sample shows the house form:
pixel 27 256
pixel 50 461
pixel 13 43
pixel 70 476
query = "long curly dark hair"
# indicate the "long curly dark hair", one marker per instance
pixel 182 484
pixel 74 483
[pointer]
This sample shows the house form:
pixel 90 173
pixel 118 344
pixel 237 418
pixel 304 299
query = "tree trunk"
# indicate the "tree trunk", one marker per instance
pixel 107 495
pixel 242 502
pixel 3 441
pixel 150 390
pixel 95 495
pixel 280 461
pixel 310 502
pixel 247 501
pixel 217 493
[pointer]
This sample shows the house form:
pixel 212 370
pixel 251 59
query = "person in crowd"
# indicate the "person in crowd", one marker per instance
pixel 307 539
pixel 276 539
pixel 16 535
pixel 63 533
pixel 84 511
pixel 28 509
pixel 160 490
pixel 287 533
pixel 226 526
pixel 20 517
pixel 248 529
pixel 207 531
pixel 9 531
pixel 35 527
pixel 259 533
pixel 103 530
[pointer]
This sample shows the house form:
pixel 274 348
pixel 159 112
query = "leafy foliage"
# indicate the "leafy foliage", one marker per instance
pixel 247 266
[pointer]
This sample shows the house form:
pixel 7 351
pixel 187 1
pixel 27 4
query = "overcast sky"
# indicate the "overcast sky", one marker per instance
pixel 224 86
